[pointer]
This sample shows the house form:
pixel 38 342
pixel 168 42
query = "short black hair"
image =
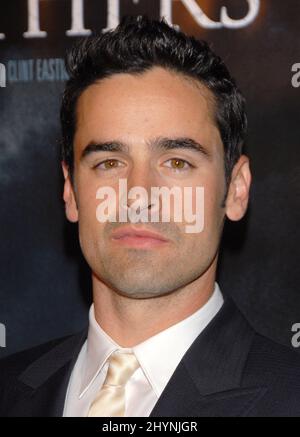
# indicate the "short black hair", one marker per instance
pixel 138 44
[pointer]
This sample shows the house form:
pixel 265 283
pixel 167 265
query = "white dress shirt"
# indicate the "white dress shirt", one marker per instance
pixel 158 357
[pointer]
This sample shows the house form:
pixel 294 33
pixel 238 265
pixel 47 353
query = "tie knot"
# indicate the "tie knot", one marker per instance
pixel 121 367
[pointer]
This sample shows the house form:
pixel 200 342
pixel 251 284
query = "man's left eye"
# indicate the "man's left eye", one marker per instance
pixel 179 164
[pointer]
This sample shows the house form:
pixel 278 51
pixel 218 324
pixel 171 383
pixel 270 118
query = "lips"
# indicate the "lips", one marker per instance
pixel 129 232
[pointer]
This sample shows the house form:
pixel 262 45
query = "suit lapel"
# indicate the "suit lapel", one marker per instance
pixel 207 381
pixel 43 385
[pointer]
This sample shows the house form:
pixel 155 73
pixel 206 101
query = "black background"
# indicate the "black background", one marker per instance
pixel 44 282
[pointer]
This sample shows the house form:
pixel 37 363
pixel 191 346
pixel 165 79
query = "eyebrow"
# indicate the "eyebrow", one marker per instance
pixel 159 143
pixel 163 143
pixel 108 146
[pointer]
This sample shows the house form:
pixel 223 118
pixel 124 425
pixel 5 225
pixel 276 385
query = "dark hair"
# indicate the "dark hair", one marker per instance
pixel 137 44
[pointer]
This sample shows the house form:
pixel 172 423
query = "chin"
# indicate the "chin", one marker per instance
pixel 140 291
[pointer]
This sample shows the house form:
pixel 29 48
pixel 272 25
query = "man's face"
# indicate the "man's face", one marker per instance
pixel 136 111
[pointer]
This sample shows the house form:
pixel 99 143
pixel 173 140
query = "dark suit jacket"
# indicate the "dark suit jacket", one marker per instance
pixel 229 370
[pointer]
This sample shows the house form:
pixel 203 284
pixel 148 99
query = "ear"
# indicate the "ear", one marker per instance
pixel 238 192
pixel 69 196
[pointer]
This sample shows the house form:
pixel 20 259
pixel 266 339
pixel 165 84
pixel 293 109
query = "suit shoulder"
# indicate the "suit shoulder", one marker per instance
pixel 20 370
pixel 271 358
pixel 281 353
pixel 14 364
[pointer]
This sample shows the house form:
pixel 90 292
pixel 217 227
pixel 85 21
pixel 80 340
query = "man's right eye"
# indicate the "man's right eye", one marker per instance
pixel 108 164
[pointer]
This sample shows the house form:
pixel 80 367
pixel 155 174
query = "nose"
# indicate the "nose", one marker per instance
pixel 139 183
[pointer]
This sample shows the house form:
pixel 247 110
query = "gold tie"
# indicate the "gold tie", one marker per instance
pixel 110 402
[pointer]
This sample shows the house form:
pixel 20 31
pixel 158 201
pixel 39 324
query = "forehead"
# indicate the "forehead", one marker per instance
pixel 155 102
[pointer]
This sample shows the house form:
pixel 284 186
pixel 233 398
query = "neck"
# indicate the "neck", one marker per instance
pixel 131 321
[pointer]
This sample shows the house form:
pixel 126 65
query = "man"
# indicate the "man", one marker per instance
pixel 149 106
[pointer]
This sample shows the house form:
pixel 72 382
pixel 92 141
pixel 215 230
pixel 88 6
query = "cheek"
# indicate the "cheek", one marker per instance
pixel 87 202
pixel 214 190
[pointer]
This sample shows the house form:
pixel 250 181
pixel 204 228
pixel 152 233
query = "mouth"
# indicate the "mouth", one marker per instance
pixel 142 238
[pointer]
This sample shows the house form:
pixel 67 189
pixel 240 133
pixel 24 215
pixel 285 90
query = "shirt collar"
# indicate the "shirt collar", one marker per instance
pixel 99 347
pixel 158 367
